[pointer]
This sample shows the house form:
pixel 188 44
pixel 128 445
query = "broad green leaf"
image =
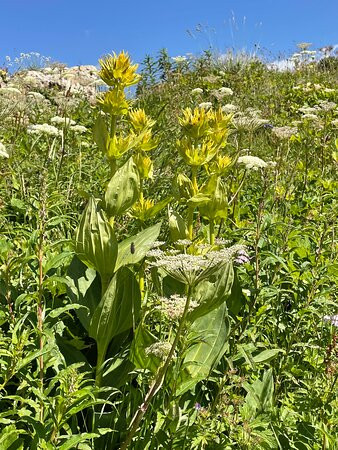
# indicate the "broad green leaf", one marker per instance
pixel 213 292
pixel 58 311
pixel 177 226
pixel 75 439
pixel 57 260
pixel 143 338
pixel 217 205
pixel 267 355
pixel 122 190
pixel 118 309
pixel 142 243
pixel 204 355
pixel 95 242
pixel 260 393
pixel 199 199
pixel 100 134
pixel 84 288
pixel 8 436
pixel 236 299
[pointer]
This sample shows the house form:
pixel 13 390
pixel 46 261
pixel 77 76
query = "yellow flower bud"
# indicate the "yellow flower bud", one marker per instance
pixel 197 154
pixel 220 164
pixel 118 145
pixel 118 70
pixel 146 142
pixel 114 102
pixel 195 123
pixel 144 165
pixel 139 120
pixel 141 209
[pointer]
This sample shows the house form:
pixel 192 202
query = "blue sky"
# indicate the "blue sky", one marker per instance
pixel 79 32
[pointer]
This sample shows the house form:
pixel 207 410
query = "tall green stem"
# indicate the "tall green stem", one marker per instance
pixel 191 207
pixel 157 383
pixel 212 231
pixel 101 354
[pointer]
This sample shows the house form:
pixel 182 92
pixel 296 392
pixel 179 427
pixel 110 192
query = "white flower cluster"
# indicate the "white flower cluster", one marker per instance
pixel 159 349
pixel 332 319
pixel 252 162
pixel 3 151
pixel 205 105
pixel 197 91
pixel 64 121
pixel 284 132
pixel 225 91
pixel 36 96
pixel 191 269
pixel 179 59
pixel 44 128
pixel 10 91
pixel 229 108
pixel 173 307
pixel 78 129
pixel 250 122
pixel 326 106
pixel 184 242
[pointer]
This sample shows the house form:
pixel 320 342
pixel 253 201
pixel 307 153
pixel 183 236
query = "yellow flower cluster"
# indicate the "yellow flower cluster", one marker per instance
pixel 118 71
pixel 204 133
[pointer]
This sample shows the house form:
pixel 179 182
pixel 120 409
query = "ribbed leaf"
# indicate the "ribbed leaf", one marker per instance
pixel 122 190
pixel 138 356
pixel 118 309
pixel 177 227
pixel 134 248
pixel 100 133
pixel 84 288
pixel 213 330
pixel 95 242
pixel 213 292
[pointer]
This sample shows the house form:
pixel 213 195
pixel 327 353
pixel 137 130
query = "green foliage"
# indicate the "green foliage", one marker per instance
pixel 122 190
pixel 98 337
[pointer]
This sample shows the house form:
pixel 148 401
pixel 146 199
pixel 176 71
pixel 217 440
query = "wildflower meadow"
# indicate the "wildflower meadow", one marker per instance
pixel 168 253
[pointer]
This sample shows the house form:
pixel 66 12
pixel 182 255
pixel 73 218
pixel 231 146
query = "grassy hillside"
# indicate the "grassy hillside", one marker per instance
pixel 168 255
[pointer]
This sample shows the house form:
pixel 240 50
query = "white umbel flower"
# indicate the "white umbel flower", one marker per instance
pixel 192 269
pixel 12 91
pixel 62 121
pixel 225 91
pixel 3 151
pixel 36 95
pixel 332 319
pixel 229 108
pixel 44 128
pixel 205 105
pixel 252 162
pixel 78 129
pixel 197 91
pixel 179 59
pixel 159 349
pixel 284 132
pixel 174 306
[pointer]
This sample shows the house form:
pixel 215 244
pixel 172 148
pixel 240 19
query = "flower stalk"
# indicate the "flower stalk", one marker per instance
pixel 159 379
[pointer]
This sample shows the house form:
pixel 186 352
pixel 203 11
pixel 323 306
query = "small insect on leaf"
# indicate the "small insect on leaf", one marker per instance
pixel 132 248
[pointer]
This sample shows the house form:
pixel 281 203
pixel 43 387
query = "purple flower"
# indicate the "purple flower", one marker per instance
pixel 267 125
pixel 242 257
pixel 198 406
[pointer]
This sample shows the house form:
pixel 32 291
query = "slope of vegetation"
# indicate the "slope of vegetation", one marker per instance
pixel 168 255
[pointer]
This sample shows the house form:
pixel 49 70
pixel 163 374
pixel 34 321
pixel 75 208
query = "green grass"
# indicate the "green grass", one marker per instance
pixel 73 377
